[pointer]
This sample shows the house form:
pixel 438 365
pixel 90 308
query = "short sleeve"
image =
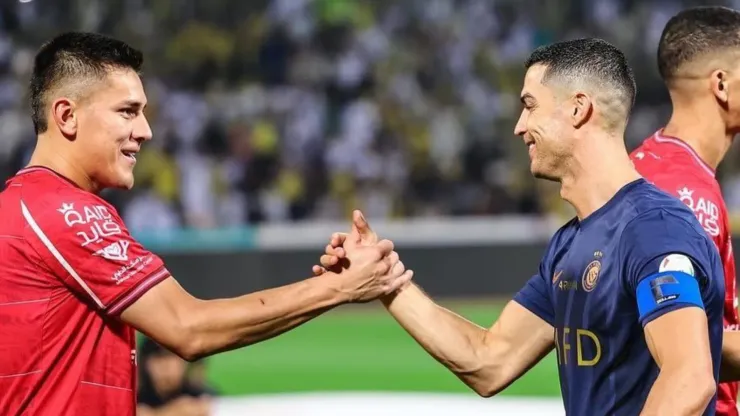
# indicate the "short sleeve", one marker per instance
pixel 657 242
pixel 535 297
pixel 84 241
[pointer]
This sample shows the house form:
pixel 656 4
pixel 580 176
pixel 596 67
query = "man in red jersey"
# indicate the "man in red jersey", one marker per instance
pixel 698 58
pixel 75 284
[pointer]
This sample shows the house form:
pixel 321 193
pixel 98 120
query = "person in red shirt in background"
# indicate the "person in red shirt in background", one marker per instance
pixel 699 60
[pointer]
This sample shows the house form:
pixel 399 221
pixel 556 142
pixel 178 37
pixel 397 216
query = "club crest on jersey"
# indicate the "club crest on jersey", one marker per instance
pixel 591 275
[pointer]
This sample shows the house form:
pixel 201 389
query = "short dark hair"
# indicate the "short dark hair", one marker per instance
pixel 588 59
pixel 694 32
pixel 71 57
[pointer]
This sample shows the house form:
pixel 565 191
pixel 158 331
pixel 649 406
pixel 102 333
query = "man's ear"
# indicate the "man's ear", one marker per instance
pixel 581 108
pixel 720 87
pixel 64 115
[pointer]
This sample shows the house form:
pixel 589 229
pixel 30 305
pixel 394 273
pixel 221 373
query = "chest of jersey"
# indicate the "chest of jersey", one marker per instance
pixel 588 298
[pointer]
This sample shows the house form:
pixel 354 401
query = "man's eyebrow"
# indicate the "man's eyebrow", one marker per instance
pixel 526 97
pixel 133 103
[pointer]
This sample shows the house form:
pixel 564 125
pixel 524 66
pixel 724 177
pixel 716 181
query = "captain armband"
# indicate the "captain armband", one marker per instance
pixel 674 283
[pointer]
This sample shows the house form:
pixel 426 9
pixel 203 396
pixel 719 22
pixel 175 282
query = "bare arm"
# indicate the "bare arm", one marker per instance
pixel 181 406
pixel 679 344
pixel 195 328
pixel 486 360
pixel 730 368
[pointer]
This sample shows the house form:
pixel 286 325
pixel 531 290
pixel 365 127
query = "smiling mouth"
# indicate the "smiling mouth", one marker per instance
pixel 131 155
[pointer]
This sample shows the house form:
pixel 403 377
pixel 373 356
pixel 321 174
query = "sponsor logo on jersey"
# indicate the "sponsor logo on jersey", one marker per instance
pixel 676 263
pixel 656 287
pixel 96 222
pixel 117 251
pixel 706 211
pixel 130 269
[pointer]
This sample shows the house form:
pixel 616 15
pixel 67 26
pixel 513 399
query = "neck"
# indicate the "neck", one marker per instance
pixel 598 170
pixel 706 133
pixel 47 156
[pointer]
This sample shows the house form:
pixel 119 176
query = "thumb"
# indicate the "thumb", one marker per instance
pixel 355 235
pixel 361 229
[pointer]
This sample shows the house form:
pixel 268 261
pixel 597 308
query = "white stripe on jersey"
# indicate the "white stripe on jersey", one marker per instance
pixel 50 246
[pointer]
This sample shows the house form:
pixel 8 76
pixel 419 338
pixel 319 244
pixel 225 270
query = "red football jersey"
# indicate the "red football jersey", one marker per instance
pixel 68 267
pixel 674 167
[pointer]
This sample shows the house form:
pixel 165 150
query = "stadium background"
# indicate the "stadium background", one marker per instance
pixel 274 118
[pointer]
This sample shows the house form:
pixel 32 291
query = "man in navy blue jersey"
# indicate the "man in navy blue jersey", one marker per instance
pixel 629 292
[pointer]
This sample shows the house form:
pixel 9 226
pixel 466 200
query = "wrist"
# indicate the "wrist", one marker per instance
pixel 333 283
pixel 388 299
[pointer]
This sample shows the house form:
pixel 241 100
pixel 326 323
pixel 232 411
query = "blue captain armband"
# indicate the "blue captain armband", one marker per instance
pixel 664 289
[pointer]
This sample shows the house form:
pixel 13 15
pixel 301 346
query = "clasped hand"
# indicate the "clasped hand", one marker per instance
pixel 368 268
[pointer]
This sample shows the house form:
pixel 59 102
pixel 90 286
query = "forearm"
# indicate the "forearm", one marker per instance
pixel 730 367
pixel 144 410
pixel 452 340
pixel 679 393
pixel 225 324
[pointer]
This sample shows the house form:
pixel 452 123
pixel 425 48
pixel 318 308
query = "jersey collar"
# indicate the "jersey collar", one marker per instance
pixel 32 169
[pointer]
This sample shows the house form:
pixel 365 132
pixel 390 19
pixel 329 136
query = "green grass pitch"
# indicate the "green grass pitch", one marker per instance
pixel 357 349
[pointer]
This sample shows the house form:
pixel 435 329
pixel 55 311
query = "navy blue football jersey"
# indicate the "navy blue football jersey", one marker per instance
pixel 601 280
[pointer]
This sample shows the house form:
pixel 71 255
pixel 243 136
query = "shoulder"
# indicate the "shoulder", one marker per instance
pixel 686 184
pixel 700 194
pixel 53 201
pixel 564 234
pixel 660 231
pixel 66 209
pixel 664 220
pixel 663 237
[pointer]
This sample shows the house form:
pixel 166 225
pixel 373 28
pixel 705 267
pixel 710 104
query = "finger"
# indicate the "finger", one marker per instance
pixel 398 269
pixel 400 282
pixel 385 247
pixel 334 251
pixel 362 228
pixel 392 260
pixel 328 261
pixel 338 239
pixel 318 270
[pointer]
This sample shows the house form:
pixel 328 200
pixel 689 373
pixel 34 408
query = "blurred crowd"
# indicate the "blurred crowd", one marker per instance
pixel 288 110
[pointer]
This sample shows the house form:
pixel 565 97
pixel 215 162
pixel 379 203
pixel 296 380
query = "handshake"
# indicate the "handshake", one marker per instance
pixel 361 267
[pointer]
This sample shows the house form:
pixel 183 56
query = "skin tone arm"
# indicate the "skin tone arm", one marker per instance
pixel 194 328
pixel 487 360
pixel 182 406
pixel 679 344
